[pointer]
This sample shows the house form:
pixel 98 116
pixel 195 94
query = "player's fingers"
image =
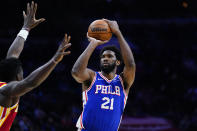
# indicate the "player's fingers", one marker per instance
pixel 66 46
pixel 66 53
pixel 32 7
pixel 64 41
pixel 102 42
pixel 24 15
pixel 89 38
pixel 115 21
pixel 106 20
pixel 65 37
pixel 40 20
pixel 105 41
pixel 69 37
pixel 28 9
pixel 35 9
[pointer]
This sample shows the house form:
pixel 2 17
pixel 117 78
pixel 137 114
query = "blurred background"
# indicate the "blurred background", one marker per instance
pixel 162 35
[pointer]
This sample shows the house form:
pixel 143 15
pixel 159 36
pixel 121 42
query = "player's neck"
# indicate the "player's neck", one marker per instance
pixel 110 75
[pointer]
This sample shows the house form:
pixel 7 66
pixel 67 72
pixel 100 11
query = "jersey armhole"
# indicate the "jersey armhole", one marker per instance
pixel 14 106
pixel 92 83
pixel 122 83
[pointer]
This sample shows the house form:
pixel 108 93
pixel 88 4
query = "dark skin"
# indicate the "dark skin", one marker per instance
pixel 11 93
pixel 84 75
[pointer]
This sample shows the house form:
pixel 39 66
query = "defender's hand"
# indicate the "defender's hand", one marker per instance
pixel 95 41
pixel 61 50
pixel 113 25
pixel 29 17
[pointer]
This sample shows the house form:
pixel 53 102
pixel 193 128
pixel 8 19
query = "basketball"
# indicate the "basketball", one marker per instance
pixel 100 30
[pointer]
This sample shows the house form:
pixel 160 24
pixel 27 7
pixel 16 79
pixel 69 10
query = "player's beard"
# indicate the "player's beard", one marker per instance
pixel 109 68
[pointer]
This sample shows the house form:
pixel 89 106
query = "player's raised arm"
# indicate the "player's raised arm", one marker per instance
pixel 19 88
pixel 29 23
pixel 80 72
pixel 129 69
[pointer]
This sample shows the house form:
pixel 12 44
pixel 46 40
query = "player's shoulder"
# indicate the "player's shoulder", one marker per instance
pixel 2 84
pixel 7 86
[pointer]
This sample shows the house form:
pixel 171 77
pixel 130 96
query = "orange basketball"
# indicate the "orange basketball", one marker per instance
pixel 100 30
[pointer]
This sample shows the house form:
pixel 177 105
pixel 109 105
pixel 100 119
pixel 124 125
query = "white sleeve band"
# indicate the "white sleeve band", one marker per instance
pixel 23 33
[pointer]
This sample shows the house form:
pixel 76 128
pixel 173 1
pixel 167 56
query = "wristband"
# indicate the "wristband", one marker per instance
pixel 23 33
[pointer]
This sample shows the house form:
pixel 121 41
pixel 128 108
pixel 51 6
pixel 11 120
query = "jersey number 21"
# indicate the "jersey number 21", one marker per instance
pixel 108 103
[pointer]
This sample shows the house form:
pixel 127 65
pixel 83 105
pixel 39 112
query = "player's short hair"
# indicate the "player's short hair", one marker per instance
pixel 9 68
pixel 114 49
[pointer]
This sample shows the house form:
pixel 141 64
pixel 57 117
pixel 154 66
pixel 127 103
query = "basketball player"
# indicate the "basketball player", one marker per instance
pixel 12 85
pixel 104 93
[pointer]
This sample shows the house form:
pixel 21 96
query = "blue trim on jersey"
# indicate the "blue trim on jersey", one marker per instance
pixel 104 104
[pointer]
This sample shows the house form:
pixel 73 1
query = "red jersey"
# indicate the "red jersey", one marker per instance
pixel 7 114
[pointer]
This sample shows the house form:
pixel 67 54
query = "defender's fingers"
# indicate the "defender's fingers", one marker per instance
pixel 31 9
pixel 24 15
pixel 32 6
pixel 28 9
pixel 65 37
pixel 66 46
pixel 40 20
pixel 66 53
pixel 35 9
pixel 69 37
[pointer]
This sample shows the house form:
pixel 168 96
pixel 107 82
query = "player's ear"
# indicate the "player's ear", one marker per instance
pixel 117 62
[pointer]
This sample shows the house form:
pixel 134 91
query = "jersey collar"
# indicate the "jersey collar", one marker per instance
pixel 106 78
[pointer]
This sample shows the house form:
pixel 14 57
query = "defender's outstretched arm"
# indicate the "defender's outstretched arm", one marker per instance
pixel 29 23
pixel 19 88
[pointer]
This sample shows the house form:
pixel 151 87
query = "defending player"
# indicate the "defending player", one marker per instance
pixel 12 84
pixel 104 93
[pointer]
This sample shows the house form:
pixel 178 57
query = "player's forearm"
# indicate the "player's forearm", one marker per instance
pixel 82 62
pixel 126 51
pixel 16 47
pixel 18 44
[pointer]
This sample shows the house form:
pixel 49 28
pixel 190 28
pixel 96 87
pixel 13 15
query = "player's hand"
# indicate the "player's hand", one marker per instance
pixel 61 50
pixel 29 17
pixel 95 41
pixel 113 25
